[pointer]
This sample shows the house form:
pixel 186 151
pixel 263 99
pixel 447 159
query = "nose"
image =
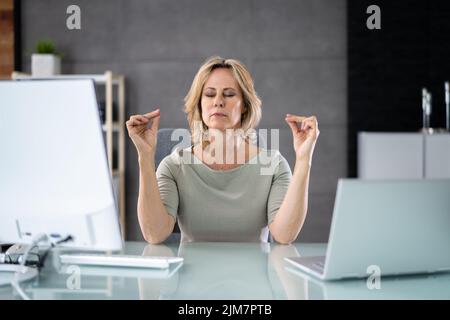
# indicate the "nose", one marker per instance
pixel 218 101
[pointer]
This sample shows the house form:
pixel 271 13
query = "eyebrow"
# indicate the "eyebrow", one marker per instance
pixel 229 88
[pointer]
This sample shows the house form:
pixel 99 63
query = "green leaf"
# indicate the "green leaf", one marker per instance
pixel 45 47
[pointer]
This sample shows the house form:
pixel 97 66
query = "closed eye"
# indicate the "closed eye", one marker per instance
pixel 225 95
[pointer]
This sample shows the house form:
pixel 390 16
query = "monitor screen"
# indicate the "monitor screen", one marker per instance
pixel 54 175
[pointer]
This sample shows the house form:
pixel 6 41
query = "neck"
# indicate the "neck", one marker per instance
pixel 225 147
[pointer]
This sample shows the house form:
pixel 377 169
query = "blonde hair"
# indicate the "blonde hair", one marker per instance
pixel 252 103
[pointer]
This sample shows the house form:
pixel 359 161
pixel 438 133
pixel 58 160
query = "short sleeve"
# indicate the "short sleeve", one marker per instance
pixel 168 190
pixel 280 182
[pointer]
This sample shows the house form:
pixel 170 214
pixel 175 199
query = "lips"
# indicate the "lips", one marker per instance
pixel 218 114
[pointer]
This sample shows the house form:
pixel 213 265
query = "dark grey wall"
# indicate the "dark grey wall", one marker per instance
pixel 295 49
pixel 389 67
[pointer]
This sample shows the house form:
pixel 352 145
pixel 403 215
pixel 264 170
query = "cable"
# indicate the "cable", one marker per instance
pixel 15 283
pixel 68 238
pixel 52 245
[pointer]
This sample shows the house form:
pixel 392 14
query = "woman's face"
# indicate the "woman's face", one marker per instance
pixel 222 103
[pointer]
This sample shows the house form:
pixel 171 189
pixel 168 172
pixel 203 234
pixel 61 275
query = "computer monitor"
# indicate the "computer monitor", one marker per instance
pixel 54 175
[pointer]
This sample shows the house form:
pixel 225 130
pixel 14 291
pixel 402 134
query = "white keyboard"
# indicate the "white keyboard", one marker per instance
pixel 119 260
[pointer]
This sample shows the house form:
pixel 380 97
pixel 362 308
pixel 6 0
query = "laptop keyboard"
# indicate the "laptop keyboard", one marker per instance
pixel 313 263
pixel 319 266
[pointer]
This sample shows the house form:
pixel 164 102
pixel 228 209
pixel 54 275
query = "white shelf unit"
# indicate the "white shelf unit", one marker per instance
pixel 112 129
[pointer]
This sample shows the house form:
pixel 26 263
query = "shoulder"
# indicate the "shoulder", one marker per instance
pixel 274 162
pixel 172 162
pixel 273 154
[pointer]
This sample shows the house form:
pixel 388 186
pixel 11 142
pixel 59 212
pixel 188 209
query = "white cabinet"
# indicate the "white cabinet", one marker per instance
pixel 437 156
pixel 403 155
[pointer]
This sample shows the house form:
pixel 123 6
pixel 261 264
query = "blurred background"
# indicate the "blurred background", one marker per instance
pixel 307 57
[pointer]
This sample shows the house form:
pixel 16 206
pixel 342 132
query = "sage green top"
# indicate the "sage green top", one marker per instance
pixel 223 205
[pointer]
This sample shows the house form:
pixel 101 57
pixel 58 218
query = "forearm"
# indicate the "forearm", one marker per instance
pixel 292 213
pixel 156 224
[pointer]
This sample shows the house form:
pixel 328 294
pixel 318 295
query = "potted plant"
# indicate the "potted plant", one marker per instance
pixel 46 61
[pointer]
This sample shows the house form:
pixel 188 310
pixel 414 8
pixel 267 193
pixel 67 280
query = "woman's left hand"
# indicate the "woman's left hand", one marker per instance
pixel 305 131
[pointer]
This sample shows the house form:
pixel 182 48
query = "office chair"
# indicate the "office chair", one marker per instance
pixel 168 139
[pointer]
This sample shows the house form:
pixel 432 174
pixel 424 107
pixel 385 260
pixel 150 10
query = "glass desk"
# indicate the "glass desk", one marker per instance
pixel 218 271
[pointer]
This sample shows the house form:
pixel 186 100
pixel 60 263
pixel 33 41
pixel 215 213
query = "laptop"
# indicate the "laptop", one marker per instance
pixel 385 228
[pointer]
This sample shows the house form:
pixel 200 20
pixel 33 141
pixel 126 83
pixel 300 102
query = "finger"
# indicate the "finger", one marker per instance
pixel 295 118
pixel 306 126
pixel 311 127
pixel 301 126
pixel 293 126
pixel 310 122
pixel 152 114
pixel 134 123
pixel 155 123
pixel 312 118
pixel 142 118
pixel 137 120
pixel 129 123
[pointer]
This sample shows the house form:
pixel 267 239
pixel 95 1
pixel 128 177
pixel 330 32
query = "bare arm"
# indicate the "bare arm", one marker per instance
pixel 156 224
pixel 292 213
pixel 290 217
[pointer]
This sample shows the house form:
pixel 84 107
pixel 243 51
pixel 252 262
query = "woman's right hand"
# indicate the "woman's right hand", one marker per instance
pixel 144 138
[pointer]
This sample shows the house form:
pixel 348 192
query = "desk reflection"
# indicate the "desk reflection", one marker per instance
pixel 226 271
pixel 259 271
pixel 417 287
pixel 221 271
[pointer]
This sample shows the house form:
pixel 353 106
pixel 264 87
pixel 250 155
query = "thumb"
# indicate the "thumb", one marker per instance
pixel 155 124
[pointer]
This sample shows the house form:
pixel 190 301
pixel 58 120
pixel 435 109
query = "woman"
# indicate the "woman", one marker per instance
pixel 218 189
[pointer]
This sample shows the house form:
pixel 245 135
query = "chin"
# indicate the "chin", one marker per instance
pixel 218 126
pixel 221 128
